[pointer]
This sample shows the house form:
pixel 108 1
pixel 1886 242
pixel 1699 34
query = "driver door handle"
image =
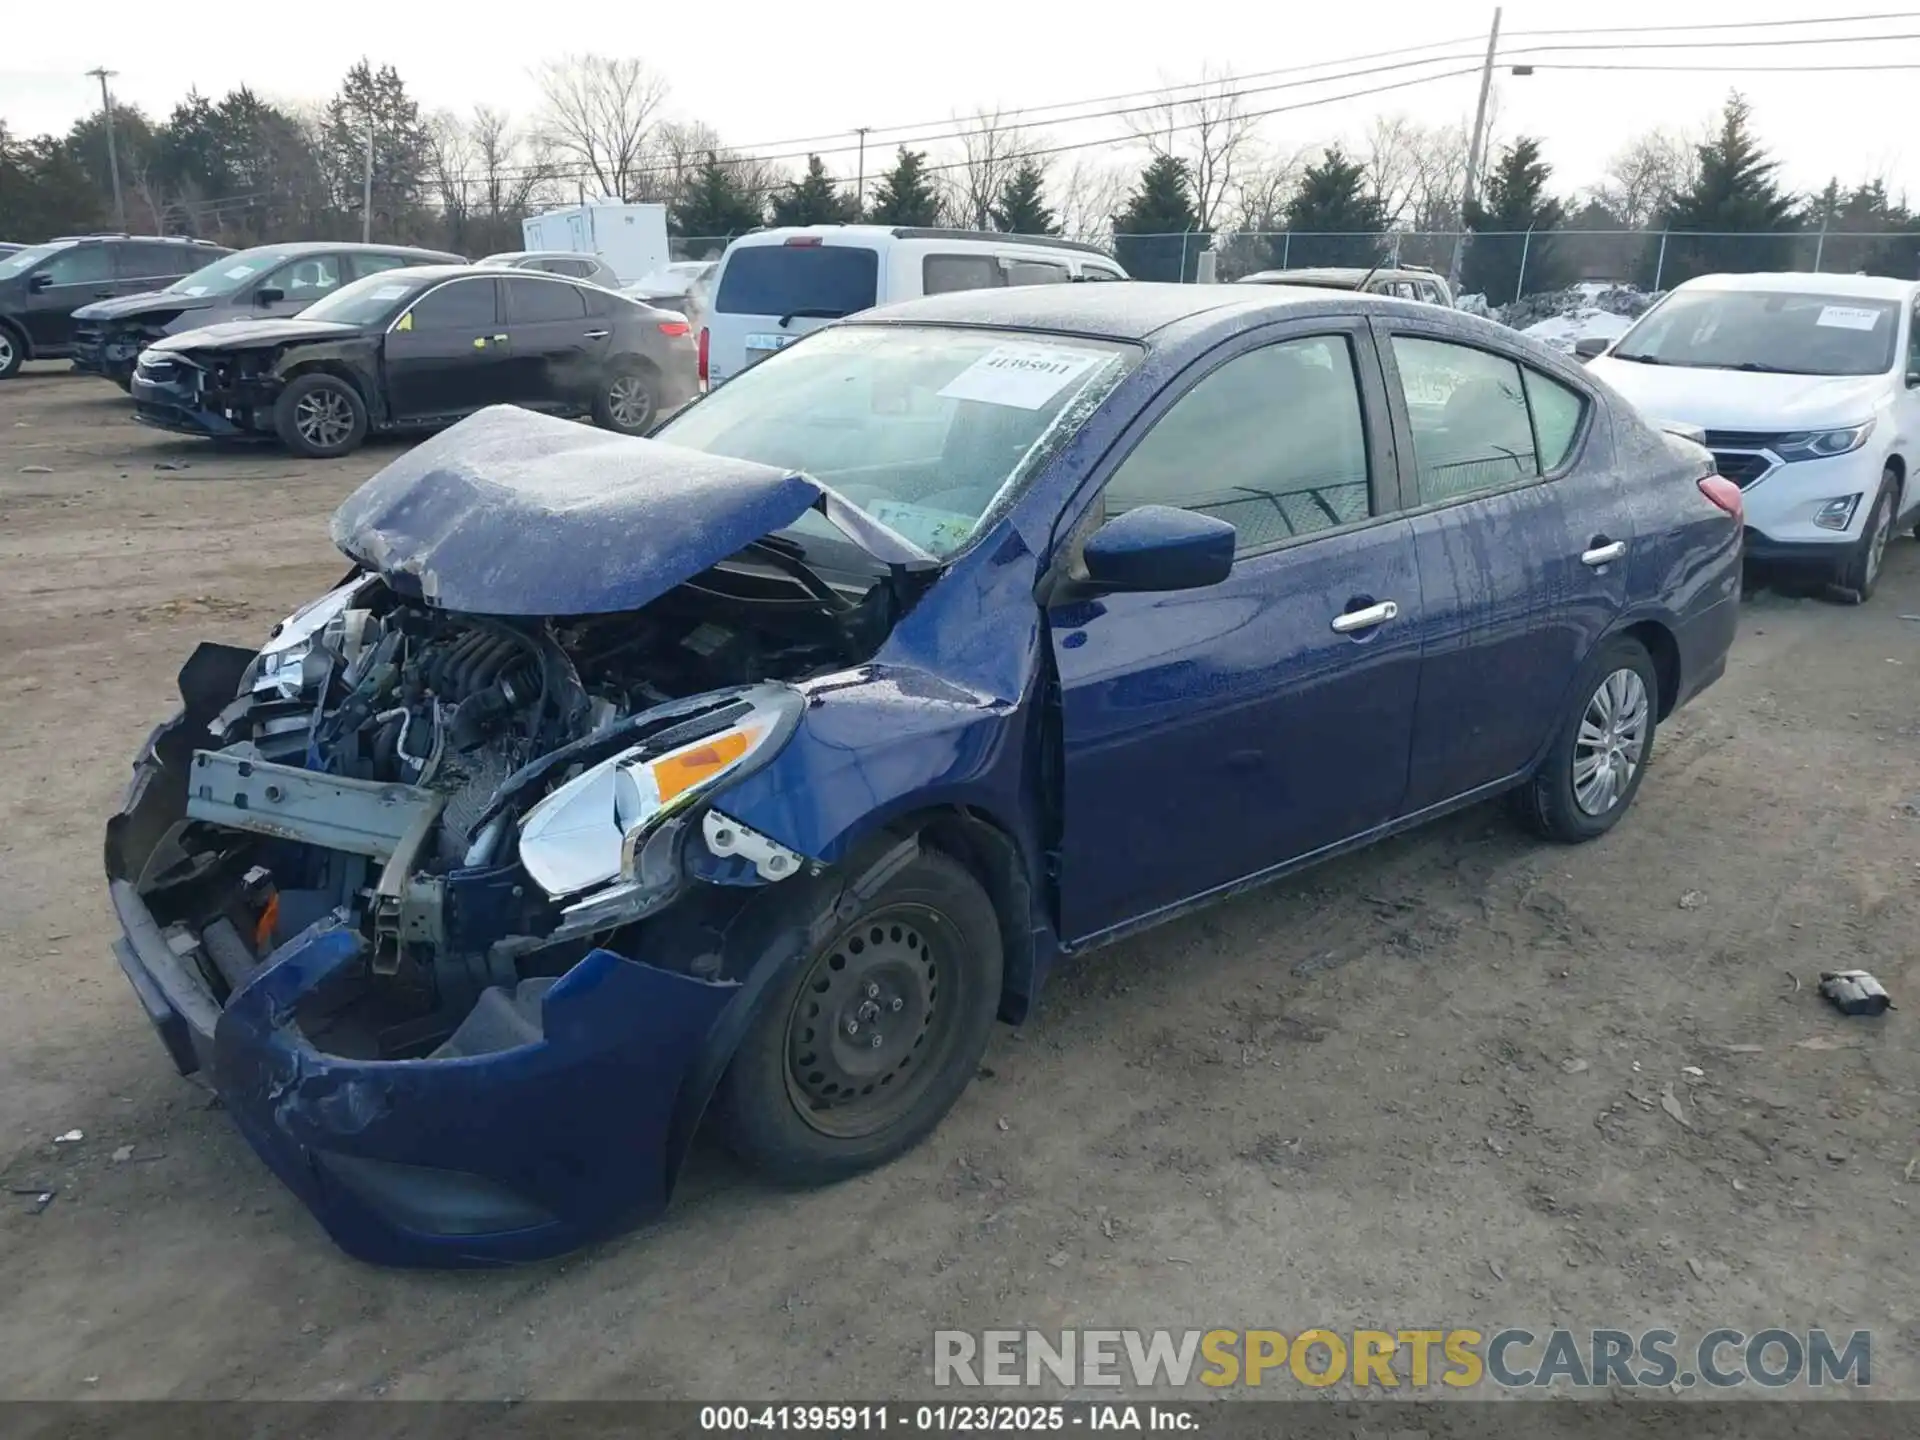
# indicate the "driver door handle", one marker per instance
pixel 1604 553
pixel 1365 619
pixel 598 334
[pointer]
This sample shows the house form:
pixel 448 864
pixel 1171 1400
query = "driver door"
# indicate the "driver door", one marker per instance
pixel 75 276
pixel 1211 735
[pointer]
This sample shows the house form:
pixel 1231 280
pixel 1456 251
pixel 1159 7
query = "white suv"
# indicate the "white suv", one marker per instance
pixel 774 286
pixel 1808 389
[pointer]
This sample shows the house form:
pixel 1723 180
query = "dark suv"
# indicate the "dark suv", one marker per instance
pixel 42 285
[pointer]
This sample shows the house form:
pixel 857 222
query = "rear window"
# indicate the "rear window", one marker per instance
pixel 825 281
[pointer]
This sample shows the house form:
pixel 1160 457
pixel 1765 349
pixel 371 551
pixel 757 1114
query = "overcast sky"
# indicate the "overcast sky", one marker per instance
pixel 767 72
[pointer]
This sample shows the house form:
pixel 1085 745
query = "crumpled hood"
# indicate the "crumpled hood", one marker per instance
pixel 253 334
pixel 513 513
pixel 1740 399
pixel 123 307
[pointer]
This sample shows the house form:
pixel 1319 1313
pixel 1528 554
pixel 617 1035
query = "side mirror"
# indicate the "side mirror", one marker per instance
pixel 1913 379
pixel 37 283
pixel 269 295
pixel 1157 547
pixel 1588 346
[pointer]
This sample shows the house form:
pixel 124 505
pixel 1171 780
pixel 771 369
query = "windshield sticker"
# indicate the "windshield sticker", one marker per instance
pixel 1848 317
pixel 938 531
pixel 238 272
pixel 389 292
pixel 1025 377
pixel 195 290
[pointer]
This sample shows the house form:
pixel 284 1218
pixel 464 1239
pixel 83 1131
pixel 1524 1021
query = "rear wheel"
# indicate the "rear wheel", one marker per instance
pixel 320 416
pixel 858 1056
pixel 1600 756
pixel 1860 571
pixel 628 401
pixel 13 353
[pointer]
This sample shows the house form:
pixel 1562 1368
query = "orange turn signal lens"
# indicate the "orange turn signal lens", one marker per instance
pixel 678 773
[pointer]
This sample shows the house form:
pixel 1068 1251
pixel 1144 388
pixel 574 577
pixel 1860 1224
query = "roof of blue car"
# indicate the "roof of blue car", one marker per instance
pixel 1116 310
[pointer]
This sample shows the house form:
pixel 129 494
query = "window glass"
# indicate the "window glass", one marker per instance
pixel 1036 272
pixel 1095 272
pixel 822 281
pixel 1468 410
pixel 1271 442
pixel 532 301
pixel 364 265
pixel 306 279
pixel 463 305
pixel 1776 331
pixel 79 264
pixel 1556 417
pixel 140 262
pixel 940 274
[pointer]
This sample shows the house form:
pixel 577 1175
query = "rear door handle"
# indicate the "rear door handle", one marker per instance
pixel 1365 619
pixel 598 334
pixel 499 339
pixel 1602 554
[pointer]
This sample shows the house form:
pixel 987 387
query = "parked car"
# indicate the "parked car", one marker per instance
pixel 680 286
pixel 42 285
pixel 250 284
pixel 7 247
pixel 1405 282
pixel 569 263
pixel 416 349
pixel 763 762
pixel 773 286
pixel 1808 389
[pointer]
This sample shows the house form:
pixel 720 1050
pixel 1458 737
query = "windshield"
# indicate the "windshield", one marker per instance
pixel 926 429
pixel 1766 330
pixel 366 301
pixel 24 260
pixel 227 274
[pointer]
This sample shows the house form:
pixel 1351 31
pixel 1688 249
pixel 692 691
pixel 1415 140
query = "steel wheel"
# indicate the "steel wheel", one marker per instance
pixel 870 1027
pixel 1610 742
pixel 630 400
pixel 324 418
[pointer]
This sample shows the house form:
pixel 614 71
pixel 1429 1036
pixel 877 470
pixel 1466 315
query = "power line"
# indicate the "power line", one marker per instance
pixel 1727 25
pixel 1734 69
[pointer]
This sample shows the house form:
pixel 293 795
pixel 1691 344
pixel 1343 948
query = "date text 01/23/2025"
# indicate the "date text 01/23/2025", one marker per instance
pixel 960 1419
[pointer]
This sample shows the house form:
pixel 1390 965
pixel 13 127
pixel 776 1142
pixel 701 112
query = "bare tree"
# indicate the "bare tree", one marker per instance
pixel 1263 187
pixel 1644 176
pixel 600 113
pixel 1086 195
pixel 450 156
pixel 991 149
pixel 512 169
pixel 675 152
pixel 1207 127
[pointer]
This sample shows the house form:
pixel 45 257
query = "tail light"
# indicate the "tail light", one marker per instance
pixel 703 354
pixel 1724 493
pixel 675 328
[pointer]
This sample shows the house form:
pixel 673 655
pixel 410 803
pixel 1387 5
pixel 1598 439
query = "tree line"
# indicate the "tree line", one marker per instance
pixel 245 170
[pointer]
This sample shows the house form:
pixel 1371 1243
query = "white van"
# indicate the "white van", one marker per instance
pixel 776 285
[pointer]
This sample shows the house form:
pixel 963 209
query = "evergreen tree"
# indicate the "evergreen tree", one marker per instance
pixel 1156 236
pixel 1332 218
pixel 377 100
pixel 1516 203
pixel 1735 199
pixel 1863 229
pixel 1021 210
pixel 715 205
pixel 904 195
pixel 814 199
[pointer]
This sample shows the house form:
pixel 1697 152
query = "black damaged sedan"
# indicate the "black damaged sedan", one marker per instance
pixel 417 349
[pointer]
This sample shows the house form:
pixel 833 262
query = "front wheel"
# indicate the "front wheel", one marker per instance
pixel 1600 754
pixel 320 416
pixel 1860 571
pixel 627 402
pixel 13 353
pixel 875 1035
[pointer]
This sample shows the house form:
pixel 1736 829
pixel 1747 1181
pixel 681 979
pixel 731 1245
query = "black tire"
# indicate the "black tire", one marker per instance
pixel 1552 803
pixel 628 400
pixel 772 1106
pixel 1859 573
pixel 320 416
pixel 13 352
pixel 124 380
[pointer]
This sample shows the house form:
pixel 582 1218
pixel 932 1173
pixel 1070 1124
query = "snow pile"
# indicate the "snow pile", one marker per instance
pixel 1562 318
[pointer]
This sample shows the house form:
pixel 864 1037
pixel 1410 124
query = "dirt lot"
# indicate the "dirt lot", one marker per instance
pixel 1423 1086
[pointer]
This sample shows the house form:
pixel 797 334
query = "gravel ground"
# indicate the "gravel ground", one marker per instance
pixel 1427 1085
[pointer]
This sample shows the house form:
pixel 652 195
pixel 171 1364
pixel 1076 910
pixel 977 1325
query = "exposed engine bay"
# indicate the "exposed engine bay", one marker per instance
pixel 484 799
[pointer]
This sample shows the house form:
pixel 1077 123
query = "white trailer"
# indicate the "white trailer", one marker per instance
pixel 631 239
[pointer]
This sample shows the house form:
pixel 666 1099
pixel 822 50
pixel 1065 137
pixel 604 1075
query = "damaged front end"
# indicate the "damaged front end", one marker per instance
pixel 445 905
pixel 224 394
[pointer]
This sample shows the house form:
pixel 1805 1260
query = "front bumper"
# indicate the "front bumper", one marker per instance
pixel 100 351
pixel 1781 504
pixel 173 399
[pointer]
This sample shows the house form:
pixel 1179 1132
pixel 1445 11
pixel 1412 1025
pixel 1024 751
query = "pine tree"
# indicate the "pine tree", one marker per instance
pixel 814 199
pixel 1156 236
pixel 376 99
pixel 1332 219
pixel 715 206
pixel 1516 203
pixel 1021 210
pixel 1735 199
pixel 904 195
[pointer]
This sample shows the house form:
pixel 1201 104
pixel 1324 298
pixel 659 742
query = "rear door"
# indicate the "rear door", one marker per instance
pixel 1209 735
pixel 770 295
pixel 555 349
pixel 142 267
pixel 449 353
pixel 1523 533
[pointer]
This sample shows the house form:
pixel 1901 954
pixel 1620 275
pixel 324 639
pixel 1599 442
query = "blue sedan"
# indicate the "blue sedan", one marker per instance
pixel 741 776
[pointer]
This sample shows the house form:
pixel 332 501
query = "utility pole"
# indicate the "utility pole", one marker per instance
pixel 113 154
pixel 366 188
pixel 1474 148
pixel 860 185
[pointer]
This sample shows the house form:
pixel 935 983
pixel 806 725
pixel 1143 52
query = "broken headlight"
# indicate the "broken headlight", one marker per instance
pixel 595 829
pixel 278 665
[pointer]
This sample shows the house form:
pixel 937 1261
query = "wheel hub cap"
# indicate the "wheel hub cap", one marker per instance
pixel 1610 742
pixel 324 418
pixel 629 401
